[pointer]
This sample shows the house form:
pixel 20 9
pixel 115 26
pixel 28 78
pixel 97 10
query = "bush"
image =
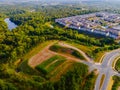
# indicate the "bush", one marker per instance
pixel 41 69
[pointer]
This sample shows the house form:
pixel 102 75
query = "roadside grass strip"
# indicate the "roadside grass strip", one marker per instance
pixel 109 87
pixel 117 65
pixel 101 81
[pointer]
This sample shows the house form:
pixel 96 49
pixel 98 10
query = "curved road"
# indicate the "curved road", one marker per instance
pixel 104 68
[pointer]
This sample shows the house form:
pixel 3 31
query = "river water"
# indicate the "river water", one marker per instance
pixel 10 24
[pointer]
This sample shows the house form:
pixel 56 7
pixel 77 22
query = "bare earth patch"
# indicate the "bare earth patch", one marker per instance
pixel 40 57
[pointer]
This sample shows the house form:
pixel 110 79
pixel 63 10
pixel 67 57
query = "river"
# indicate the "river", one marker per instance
pixel 10 24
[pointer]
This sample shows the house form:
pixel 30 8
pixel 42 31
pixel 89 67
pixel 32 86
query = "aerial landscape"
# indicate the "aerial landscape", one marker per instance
pixel 59 45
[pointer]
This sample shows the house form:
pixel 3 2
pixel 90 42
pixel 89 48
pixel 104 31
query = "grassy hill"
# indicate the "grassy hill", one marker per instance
pixel 55 73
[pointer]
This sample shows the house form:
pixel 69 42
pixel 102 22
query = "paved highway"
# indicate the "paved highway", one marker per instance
pixel 105 68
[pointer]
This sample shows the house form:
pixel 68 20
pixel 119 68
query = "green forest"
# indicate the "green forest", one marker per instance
pixel 36 28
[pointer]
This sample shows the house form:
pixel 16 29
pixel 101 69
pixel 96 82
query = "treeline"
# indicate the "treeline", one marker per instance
pixel 22 39
pixel 49 13
pixel 34 29
pixel 76 78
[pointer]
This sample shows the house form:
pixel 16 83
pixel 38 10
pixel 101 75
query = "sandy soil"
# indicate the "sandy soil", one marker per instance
pixel 41 57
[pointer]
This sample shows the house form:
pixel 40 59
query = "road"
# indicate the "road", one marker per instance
pixel 104 68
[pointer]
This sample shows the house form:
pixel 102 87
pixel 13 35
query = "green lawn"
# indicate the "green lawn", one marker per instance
pixel 117 66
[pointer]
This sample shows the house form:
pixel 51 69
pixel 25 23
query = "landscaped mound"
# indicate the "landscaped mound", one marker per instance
pixel 65 50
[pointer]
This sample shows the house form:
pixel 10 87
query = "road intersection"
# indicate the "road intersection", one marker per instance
pixel 104 68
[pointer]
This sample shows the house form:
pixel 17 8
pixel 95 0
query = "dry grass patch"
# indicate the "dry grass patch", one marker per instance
pixel 110 84
pixel 102 81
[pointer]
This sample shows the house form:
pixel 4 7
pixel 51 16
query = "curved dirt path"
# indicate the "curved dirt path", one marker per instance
pixel 80 51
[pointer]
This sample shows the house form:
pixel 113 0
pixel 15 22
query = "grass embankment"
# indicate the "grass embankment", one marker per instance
pixel 88 50
pixel 117 65
pixel 102 81
pixel 37 49
pixel 23 64
pixel 25 68
pixel 34 51
pixel 68 51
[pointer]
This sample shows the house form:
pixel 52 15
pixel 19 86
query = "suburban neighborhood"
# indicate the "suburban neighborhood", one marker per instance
pixel 103 23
